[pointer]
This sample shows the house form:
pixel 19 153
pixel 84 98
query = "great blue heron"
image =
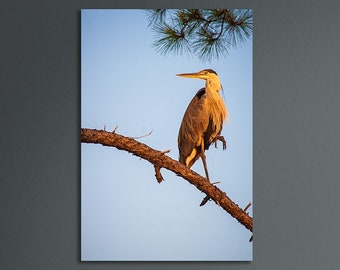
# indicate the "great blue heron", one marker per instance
pixel 203 120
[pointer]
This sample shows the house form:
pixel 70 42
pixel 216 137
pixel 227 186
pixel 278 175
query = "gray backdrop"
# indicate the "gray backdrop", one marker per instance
pixel 296 134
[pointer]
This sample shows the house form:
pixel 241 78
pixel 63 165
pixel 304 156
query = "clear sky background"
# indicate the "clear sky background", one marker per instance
pixel 125 213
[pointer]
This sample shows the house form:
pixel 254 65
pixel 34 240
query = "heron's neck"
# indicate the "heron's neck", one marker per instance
pixel 213 85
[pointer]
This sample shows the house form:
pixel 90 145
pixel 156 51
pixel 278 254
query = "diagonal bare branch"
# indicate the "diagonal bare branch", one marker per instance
pixel 160 160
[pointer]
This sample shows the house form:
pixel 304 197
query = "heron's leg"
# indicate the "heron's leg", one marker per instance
pixel 205 165
pixel 206 198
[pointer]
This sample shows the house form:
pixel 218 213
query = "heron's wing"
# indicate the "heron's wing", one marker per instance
pixel 213 130
pixel 194 124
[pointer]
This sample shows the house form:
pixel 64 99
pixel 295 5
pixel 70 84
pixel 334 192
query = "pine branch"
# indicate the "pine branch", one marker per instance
pixel 206 33
pixel 160 160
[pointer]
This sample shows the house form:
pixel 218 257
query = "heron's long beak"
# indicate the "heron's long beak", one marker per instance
pixel 192 75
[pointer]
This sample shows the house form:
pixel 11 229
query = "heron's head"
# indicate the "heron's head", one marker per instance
pixel 209 75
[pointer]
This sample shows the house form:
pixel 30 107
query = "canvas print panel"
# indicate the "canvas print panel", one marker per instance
pixel 129 86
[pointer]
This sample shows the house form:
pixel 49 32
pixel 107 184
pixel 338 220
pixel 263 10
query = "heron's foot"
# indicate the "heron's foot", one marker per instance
pixel 221 138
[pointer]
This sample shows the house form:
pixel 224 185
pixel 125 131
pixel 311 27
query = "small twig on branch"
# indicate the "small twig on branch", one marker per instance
pixel 205 200
pixel 114 130
pixel 158 174
pixel 246 208
pixel 142 136
pixel 159 160
pixel 214 183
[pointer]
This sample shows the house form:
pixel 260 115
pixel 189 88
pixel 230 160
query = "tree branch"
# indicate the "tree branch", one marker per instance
pixel 160 160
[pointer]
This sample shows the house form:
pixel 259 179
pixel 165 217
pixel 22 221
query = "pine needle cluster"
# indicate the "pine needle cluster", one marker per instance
pixel 206 33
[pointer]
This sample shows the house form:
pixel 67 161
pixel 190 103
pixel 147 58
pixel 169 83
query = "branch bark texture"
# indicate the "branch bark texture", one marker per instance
pixel 160 160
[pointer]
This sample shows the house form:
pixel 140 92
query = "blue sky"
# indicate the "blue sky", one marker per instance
pixel 125 214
